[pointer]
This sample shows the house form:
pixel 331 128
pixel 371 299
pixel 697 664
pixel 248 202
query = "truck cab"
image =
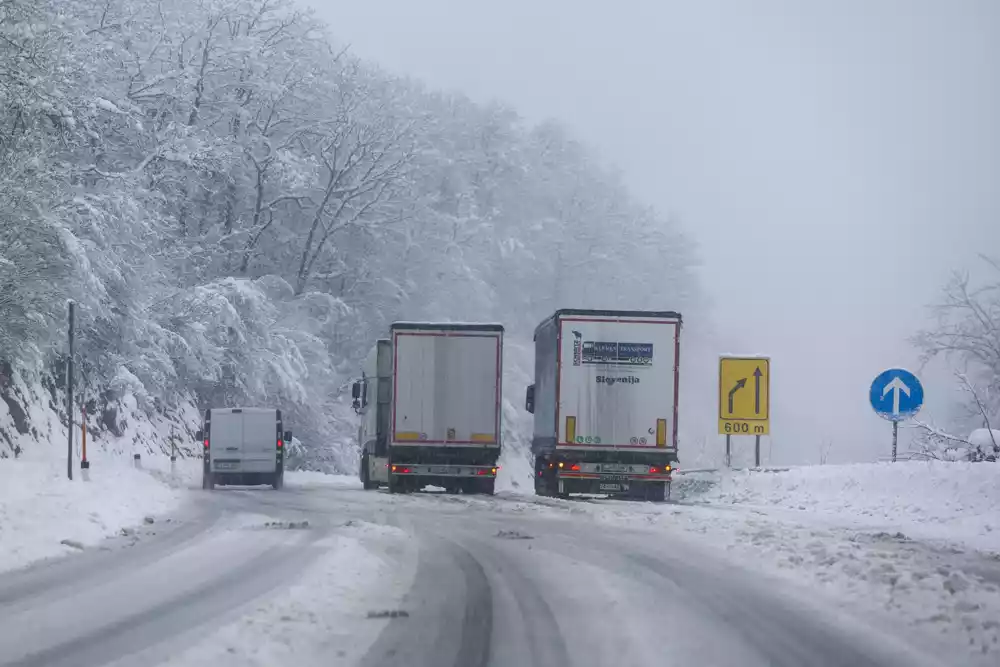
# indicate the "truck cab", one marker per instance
pixel 371 395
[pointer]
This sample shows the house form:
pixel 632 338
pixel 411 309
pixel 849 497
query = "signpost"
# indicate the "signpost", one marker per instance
pixel 744 400
pixel 896 395
pixel 69 396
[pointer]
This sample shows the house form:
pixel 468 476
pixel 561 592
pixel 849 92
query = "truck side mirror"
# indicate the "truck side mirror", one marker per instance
pixel 356 390
pixel 199 435
pixel 529 399
pixel 288 436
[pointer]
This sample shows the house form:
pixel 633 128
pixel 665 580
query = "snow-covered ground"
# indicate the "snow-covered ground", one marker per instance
pixel 916 542
pixel 955 504
pixel 330 615
pixel 306 478
pixel 43 514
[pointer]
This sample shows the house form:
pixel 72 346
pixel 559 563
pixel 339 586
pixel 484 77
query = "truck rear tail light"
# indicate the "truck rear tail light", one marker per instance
pixel 654 470
pixel 206 443
pixel 575 466
pixel 401 469
pixel 661 432
pixel 279 444
pixel 570 429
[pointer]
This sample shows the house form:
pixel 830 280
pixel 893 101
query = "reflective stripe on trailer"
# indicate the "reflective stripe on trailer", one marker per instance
pixel 444 470
pixel 615 477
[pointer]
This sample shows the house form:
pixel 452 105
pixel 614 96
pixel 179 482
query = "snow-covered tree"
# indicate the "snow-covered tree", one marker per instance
pixel 240 208
pixel 967 336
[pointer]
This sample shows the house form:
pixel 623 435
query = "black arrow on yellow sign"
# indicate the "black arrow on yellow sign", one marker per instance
pixel 739 385
pixel 756 386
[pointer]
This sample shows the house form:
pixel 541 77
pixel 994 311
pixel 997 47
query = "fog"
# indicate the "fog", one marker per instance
pixel 834 162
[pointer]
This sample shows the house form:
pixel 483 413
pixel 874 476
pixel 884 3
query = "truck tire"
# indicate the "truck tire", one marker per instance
pixel 366 483
pixel 480 486
pixel 542 485
pixel 278 481
pixel 394 484
pixel 208 481
pixel 656 492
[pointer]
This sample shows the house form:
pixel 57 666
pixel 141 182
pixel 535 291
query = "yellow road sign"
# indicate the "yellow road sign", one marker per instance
pixel 744 396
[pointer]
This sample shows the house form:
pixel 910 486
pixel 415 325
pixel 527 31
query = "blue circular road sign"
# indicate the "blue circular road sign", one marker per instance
pixel 896 394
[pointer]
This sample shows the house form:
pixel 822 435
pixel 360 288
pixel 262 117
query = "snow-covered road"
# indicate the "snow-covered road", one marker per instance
pixel 237 578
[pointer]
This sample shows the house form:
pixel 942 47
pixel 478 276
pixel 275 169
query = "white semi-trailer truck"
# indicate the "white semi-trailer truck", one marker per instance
pixel 430 399
pixel 605 403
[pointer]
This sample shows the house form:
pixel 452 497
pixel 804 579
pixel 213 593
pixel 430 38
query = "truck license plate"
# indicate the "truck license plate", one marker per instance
pixel 614 467
pixel 612 487
pixel 224 465
pixel 442 470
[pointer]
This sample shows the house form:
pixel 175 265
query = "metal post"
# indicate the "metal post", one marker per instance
pixel 84 463
pixel 729 451
pixel 895 436
pixel 69 397
pixel 756 452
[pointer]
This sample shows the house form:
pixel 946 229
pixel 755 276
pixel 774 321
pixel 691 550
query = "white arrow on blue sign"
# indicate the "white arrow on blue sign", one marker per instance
pixel 896 394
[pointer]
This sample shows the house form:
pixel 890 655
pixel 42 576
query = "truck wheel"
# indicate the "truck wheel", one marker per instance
pixel 487 486
pixel 394 484
pixel 366 482
pixel 541 480
pixel 656 492
pixel 208 481
pixel 279 481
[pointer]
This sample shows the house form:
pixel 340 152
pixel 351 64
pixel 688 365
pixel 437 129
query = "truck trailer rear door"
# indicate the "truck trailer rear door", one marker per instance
pixel 447 387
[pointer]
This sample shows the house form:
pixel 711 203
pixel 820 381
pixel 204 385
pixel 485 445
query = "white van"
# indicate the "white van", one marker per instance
pixel 243 446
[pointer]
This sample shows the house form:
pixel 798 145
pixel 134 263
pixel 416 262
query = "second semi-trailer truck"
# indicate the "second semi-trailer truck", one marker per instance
pixel 430 404
pixel 605 403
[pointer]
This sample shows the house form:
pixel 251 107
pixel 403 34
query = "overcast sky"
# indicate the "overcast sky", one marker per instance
pixel 833 159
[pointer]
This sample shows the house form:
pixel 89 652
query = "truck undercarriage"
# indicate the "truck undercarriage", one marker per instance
pixel 640 476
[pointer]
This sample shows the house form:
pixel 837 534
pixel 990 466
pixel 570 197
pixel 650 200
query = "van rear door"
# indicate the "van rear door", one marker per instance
pixel 260 440
pixel 226 443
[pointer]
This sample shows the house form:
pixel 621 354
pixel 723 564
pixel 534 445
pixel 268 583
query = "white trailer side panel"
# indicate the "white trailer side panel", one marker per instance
pixel 446 387
pixel 617 381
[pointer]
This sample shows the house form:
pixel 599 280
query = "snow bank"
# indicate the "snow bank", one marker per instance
pixel 953 502
pixel 40 509
pixel 985 438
